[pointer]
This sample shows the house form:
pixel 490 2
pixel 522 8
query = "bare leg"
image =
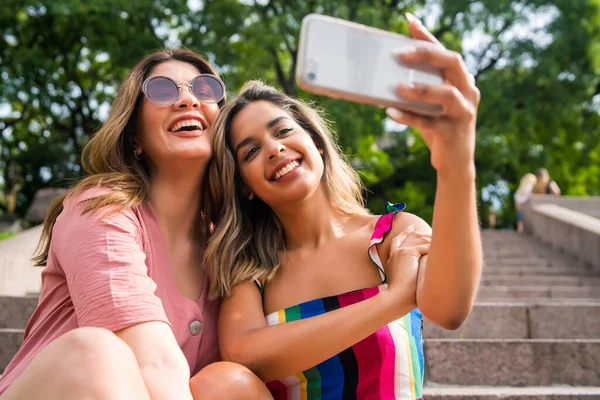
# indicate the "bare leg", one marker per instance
pixel 86 363
pixel 227 380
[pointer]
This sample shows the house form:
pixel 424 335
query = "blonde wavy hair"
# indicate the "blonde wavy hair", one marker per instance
pixel 527 183
pixel 248 239
pixel 108 158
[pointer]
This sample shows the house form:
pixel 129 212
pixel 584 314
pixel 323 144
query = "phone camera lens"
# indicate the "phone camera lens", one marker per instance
pixel 311 76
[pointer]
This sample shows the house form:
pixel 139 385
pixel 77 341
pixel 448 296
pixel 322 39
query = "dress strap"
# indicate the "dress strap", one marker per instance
pixel 260 285
pixel 382 227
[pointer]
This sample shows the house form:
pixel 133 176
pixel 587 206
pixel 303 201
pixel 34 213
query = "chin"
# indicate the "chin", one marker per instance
pixel 194 154
pixel 302 191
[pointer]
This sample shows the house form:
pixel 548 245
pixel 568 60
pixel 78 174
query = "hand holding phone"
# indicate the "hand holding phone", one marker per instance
pixel 342 59
pixel 425 86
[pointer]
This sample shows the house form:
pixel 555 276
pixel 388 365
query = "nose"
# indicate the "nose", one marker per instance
pixel 186 99
pixel 275 148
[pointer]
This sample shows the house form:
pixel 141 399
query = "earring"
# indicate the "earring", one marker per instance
pixel 135 154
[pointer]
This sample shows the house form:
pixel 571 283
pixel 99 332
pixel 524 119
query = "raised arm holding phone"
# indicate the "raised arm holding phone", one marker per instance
pixel 320 295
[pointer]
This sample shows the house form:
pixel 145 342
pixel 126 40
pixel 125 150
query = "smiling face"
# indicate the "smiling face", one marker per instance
pixel 181 130
pixel 276 158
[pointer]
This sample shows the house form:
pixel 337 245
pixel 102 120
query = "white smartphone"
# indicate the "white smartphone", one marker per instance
pixel 343 59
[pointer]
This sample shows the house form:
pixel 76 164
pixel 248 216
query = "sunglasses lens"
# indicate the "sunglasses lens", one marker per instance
pixel 161 91
pixel 208 89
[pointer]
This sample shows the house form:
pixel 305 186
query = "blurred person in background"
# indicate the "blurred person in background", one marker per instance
pixel 522 194
pixel 545 185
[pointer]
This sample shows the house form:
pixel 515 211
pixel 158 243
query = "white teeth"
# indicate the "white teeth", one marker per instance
pixel 286 170
pixel 187 122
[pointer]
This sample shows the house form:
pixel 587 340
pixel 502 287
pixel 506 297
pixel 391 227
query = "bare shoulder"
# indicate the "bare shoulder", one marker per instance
pixel 401 221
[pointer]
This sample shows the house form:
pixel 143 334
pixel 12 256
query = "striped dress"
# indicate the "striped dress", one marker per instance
pixel 385 365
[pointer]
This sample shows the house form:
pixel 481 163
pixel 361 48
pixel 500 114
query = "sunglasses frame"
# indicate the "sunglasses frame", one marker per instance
pixel 189 84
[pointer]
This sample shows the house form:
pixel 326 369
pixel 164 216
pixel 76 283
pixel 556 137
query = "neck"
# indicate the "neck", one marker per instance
pixel 176 197
pixel 310 222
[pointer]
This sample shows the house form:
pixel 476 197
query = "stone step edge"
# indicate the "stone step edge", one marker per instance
pixel 432 389
pixel 541 302
pixel 526 341
pixel 529 301
pixel 10 330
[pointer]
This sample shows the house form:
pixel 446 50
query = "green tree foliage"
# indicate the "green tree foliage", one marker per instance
pixel 60 63
pixel 537 63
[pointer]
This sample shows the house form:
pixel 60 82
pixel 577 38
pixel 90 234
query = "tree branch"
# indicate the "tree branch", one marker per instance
pixel 493 61
pixel 280 73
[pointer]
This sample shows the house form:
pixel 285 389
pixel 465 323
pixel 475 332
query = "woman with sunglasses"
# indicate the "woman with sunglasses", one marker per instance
pixel 124 311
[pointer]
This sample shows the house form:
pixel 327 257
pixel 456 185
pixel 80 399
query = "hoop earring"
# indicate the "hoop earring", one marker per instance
pixel 135 154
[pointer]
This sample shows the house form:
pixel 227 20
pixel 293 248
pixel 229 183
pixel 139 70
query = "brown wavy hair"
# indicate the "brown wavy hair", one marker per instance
pixel 108 158
pixel 248 238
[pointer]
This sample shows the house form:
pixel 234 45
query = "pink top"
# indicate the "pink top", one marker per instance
pixel 113 273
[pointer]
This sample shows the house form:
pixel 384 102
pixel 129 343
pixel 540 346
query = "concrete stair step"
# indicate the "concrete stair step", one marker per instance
pixel 513 362
pixel 534 300
pixel 10 341
pixel 523 262
pixel 493 255
pixel 531 263
pixel 513 393
pixel 527 244
pixel 15 311
pixel 537 271
pixel 535 280
pixel 538 292
pixel 541 320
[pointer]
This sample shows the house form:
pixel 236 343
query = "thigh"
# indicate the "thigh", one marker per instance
pixel 83 363
pixel 227 380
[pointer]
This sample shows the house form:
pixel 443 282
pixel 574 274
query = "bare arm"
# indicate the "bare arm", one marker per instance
pixel 274 352
pixel 164 368
pixel 448 285
pixel 449 274
pixel 554 189
pixel 448 282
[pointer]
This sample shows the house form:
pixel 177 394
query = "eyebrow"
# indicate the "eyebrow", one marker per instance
pixel 274 122
pixel 243 143
pixel 248 140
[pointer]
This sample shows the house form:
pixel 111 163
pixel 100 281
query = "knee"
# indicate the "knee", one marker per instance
pixel 95 350
pixel 228 380
pixel 85 363
pixel 101 343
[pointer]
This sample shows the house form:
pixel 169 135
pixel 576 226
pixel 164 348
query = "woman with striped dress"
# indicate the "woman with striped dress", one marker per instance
pixel 320 297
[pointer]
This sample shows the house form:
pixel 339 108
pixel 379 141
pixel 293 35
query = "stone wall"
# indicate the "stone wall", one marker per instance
pixel 570 224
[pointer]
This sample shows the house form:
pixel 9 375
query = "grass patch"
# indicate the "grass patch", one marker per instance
pixel 6 235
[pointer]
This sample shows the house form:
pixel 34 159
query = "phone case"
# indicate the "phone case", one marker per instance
pixel 343 59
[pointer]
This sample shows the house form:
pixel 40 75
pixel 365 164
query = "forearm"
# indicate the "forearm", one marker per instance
pixel 163 366
pixel 448 284
pixel 279 351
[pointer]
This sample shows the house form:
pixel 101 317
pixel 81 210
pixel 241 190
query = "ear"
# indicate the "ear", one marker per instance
pixel 247 193
pixel 137 149
pixel 320 150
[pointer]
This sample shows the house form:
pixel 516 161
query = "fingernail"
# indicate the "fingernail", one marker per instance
pixel 393 113
pixel 405 51
pixel 407 85
pixel 410 228
pixel 412 18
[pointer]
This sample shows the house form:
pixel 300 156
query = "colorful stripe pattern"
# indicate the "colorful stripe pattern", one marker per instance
pixel 385 365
